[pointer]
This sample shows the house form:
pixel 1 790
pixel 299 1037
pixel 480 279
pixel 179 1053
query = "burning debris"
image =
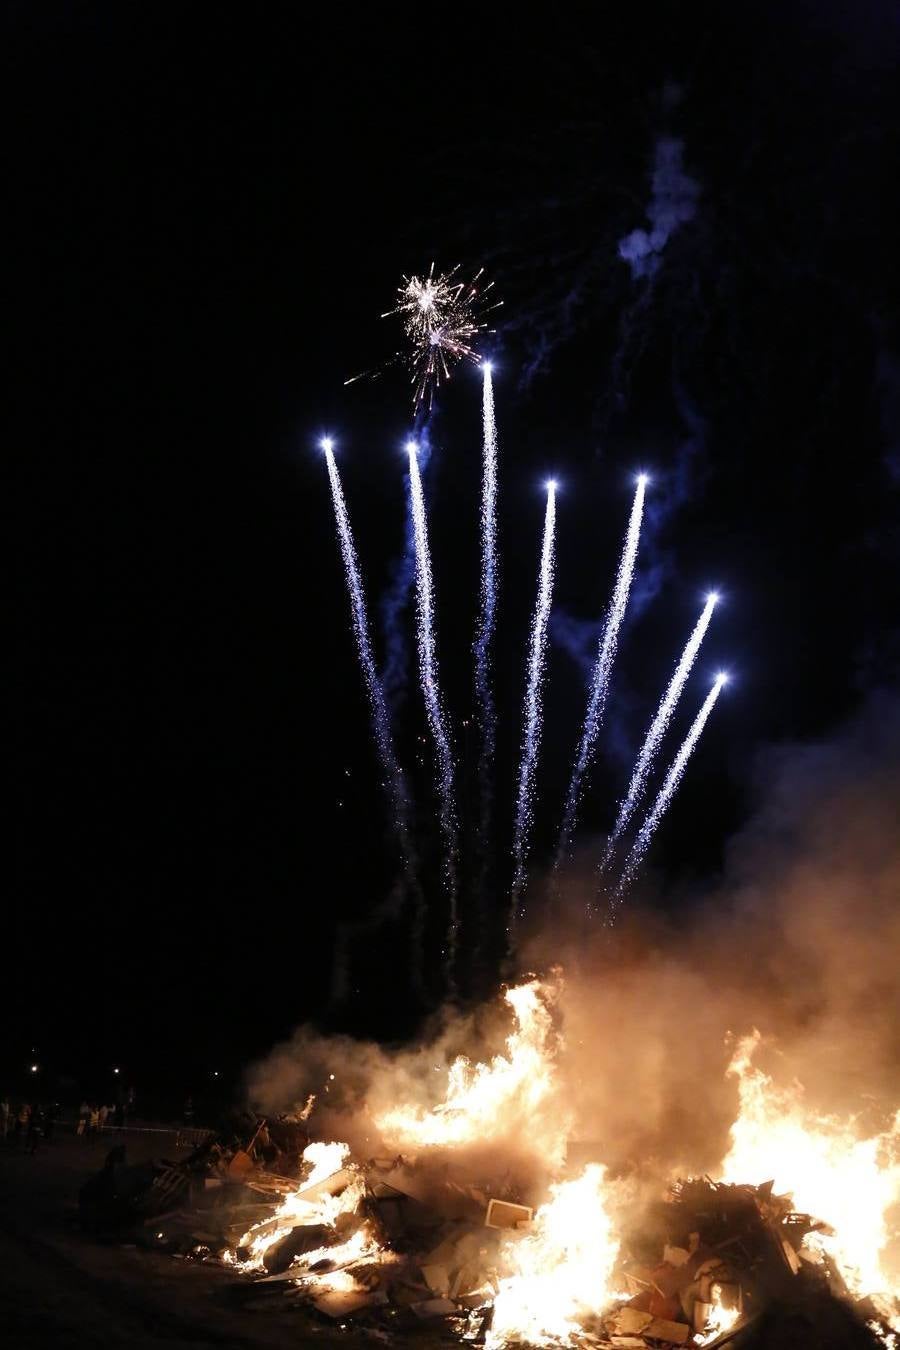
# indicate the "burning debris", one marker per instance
pixel 575 1256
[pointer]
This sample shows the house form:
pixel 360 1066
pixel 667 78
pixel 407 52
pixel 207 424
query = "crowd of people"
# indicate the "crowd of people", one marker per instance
pixel 27 1124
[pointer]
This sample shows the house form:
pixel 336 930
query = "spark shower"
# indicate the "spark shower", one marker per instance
pixel 610 888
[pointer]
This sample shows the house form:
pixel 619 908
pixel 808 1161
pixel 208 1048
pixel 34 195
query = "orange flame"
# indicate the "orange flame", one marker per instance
pixel 719 1318
pixel 560 1269
pixel 324 1161
pixel 834 1173
pixel 485 1102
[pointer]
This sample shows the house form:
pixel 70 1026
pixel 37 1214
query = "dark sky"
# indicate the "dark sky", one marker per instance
pixel 210 207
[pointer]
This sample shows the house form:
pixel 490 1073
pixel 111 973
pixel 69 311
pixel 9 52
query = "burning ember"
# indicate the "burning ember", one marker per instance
pixel 545 1258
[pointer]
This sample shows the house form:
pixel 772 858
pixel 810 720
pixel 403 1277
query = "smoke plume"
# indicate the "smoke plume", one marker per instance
pixel 799 940
pixel 673 203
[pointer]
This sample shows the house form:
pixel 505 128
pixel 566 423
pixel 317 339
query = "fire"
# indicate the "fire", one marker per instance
pixel 718 1319
pixel 485 1102
pixel 362 1246
pixel 554 1282
pixel 560 1270
pixel 325 1160
pixel 848 1181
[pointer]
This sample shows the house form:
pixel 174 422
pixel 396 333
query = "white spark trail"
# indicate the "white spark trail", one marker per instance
pixel 428 670
pixel 606 656
pixel 377 705
pixel 531 737
pixel 658 728
pixel 488 614
pixel 666 792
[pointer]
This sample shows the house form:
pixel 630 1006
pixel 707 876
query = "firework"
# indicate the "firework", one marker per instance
pixel 428 670
pixel 603 669
pixel 393 774
pixel 441 316
pixel 658 728
pixel 531 737
pixel 487 617
pixel 666 792
pixel 377 705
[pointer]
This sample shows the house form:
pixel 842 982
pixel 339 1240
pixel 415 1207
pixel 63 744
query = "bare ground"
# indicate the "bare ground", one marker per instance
pixel 60 1287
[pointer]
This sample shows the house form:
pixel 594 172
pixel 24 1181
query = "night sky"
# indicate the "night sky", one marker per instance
pixel 210 208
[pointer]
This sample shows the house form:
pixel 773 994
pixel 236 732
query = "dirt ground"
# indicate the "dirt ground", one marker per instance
pixel 59 1287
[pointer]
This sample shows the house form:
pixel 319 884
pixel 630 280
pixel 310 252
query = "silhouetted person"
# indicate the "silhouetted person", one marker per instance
pixel 22 1118
pixel 35 1126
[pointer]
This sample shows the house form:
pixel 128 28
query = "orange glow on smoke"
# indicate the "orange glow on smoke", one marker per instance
pixel 834 1173
pixel 484 1102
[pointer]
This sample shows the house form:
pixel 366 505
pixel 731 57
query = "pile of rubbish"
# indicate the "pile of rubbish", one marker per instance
pixel 394 1244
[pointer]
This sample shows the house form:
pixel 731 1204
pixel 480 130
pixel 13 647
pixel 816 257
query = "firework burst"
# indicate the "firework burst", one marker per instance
pixel 441 316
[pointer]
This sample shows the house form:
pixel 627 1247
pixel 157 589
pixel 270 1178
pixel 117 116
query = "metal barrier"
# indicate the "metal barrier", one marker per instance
pixel 183 1136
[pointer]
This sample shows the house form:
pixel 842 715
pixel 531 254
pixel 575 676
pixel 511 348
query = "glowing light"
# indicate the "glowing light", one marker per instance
pixel 531 738
pixel 377 704
pixel 327 443
pixel 719 1318
pixel 428 671
pixel 487 367
pixel 509 1097
pixel 830 1167
pixel 712 598
pixel 441 317
pixel 642 479
pixel 34 1068
pixel 488 608
pixel 115 1070
pixel 606 655
pixel 658 728
pixel 560 1270
pixel 323 1160
pixel 667 791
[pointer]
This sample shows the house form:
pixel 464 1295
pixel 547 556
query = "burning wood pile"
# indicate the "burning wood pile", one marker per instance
pixel 421 1237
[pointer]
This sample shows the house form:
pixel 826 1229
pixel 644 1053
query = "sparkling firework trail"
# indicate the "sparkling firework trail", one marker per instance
pixel 658 728
pixel 531 737
pixel 380 720
pixel 487 618
pixel 666 793
pixel 602 670
pixel 428 670
pixel 441 318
